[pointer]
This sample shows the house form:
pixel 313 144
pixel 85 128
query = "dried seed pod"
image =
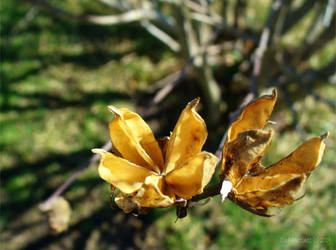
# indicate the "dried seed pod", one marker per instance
pixel 152 173
pixel 255 187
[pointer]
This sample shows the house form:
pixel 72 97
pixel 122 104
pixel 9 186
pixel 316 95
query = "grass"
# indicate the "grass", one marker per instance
pixel 57 79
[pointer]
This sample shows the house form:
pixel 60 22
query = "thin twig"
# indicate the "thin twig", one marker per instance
pixel 169 86
pixel 169 82
pixel 74 176
pixel 162 36
pixel 163 82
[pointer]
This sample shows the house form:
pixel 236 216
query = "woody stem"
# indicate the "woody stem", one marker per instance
pixel 208 192
pixel 215 190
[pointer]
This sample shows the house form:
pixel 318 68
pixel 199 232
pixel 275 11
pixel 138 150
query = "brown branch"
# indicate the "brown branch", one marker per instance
pixel 208 192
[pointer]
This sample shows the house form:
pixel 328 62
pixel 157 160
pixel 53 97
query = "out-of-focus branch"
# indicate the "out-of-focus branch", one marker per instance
pixel 191 33
pixel 330 10
pixel 169 83
pixel 315 25
pixel 239 8
pixel 293 17
pixel 309 76
pixel 202 13
pixel 117 4
pixel 127 17
pixel 181 32
pixel 327 70
pixel 306 79
pixel 162 36
pixel 195 7
pixel 265 37
pixel 211 20
pixel 295 117
pixel 142 15
pixel 320 41
pixel 73 177
pixel 22 23
pixel 208 83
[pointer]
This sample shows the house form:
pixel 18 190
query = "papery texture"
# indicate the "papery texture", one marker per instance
pixel 254 186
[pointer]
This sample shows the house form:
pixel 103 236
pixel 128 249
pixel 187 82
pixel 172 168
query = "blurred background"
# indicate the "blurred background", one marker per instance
pixel 63 62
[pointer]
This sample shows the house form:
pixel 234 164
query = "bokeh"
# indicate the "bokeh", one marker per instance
pixel 59 72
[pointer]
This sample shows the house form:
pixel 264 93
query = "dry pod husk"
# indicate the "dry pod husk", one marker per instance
pixel 151 173
pixel 254 186
pixel 59 214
